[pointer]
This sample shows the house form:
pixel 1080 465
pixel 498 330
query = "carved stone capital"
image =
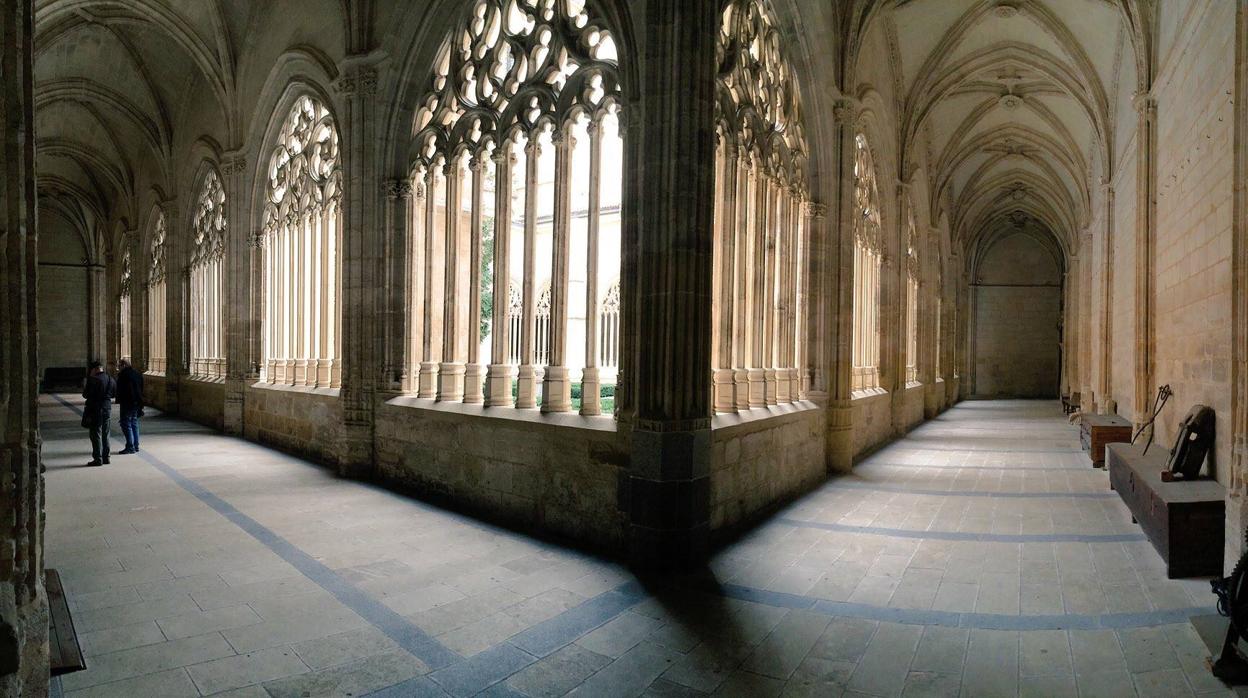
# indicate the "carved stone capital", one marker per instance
pixel 233 165
pixel 815 210
pixel 845 111
pixel 1145 104
pixel 359 81
pixel 399 187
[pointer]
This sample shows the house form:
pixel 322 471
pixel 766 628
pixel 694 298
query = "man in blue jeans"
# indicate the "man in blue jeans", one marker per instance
pixel 130 400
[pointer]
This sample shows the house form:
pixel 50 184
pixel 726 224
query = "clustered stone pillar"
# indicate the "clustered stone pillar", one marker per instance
pixel 591 382
pixel 839 326
pixel 500 373
pixel 1145 217
pixel 236 341
pixel 23 603
pixel 557 383
pixel 669 477
pixel 1104 397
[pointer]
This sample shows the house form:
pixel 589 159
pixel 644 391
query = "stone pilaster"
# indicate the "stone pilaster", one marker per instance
pixel 837 321
pixel 361 245
pixel 398 289
pixel 1105 403
pixel 1237 485
pixel 669 478
pixel 23 603
pixel 1145 220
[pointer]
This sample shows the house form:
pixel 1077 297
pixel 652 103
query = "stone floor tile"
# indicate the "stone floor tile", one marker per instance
pixel 662 688
pixel 117 616
pixel 745 684
pixel 991 664
pixel 1146 649
pixel 620 634
pixel 344 647
pixel 201 622
pixel 1057 686
pixel 246 669
pixel 166 684
pixel 884 666
pixel 120 638
pixel 845 639
pixel 924 684
pixel 817 676
pixel 557 673
pixel 1096 651
pixel 1162 683
pixel 148 659
pixel 1044 653
pixel 941 650
pixel 785 648
pixel 482 634
pixel 630 674
pixel 354 678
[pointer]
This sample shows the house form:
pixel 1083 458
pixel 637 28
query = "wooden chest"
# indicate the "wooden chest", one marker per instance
pixel 1185 521
pixel 1097 430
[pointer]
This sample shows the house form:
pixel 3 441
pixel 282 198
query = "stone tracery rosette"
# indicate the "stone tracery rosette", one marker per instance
pixel 157 246
pixel 758 104
pixel 867 224
pixel 516 66
pixel 208 222
pixel 305 174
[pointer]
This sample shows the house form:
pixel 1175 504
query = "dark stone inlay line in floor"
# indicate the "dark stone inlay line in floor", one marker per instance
pixel 871 487
pixel 978 621
pixel 926 466
pixel 965 536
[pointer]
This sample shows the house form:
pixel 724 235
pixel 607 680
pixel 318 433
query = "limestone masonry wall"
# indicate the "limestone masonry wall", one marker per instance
pixel 1016 341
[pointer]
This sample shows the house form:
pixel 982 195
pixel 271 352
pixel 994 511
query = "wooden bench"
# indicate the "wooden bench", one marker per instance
pixel 1184 520
pixel 1096 430
pixel 66 654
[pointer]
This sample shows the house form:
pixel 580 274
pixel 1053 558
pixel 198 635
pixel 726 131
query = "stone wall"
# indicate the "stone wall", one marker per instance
pixel 757 465
pixel 63 317
pixel 1192 258
pixel 526 471
pixel 201 401
pixel 300 421
pixel 1016 341
pixel 873 421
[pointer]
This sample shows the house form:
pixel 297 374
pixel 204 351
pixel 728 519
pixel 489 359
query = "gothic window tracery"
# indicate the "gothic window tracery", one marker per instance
pixel 760 227
pixel 157 356
pixel 206 279
pixel 517 146
pixel 127 283
pixel 609 324
pixel 868 255
pixel 300 237
pixel 913 268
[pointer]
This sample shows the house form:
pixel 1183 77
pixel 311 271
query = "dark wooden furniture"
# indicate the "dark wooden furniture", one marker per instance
pixel 66 654
pixel 1097 430
pixel 1070 403
pixel 1184 520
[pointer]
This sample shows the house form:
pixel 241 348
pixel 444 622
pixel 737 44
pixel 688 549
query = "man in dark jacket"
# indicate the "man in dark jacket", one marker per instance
pixel 100 391
pixel 130 400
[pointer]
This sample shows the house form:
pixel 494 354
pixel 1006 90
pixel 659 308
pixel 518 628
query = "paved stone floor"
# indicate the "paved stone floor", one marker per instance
pixel 980 556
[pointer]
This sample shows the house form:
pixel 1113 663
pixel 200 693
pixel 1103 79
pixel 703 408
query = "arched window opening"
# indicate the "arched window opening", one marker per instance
pixel 207 295
pixel 517 174
pixel 127 283
pixel 301 230
pixel 912 300
pixel 157 356
pixel 868 253
pixel 761 244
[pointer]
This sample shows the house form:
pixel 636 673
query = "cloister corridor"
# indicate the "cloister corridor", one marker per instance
pixel 977 555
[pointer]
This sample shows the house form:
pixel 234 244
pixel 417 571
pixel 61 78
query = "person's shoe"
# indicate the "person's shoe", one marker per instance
pixel 126 451
pixel 94 463
pixel 136 449
pixel 105 461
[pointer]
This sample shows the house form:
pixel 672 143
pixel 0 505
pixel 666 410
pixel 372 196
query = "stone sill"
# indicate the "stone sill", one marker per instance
pixel 157 374
pixel 867 393
pixel 725 420
pixel 565 420
pixel 207 380
pixel 307 390
pixel 911 385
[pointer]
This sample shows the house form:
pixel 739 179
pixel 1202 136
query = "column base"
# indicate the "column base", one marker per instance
pixel 498 385
pixel 474 383
pixel 557 390
pixel 723 387
pixel 769 386
pixel 526 387
pixel 784 386
pixel 591 391
pixel 324 372
pixel 757 394
pixel 740 389
pixel 669 498
pixel 840 442
pixel 451 381
pixel 428 386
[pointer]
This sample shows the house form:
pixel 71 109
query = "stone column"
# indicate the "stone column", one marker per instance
pixel 1087 288
pixel 743 315
pixel 23 603
pixel 399 275
pixel 837 316
pixel 722 378
pixel 669 477
pixel 98 310
pixel 474 372
pixel 817 333
pixel 451 369
pixel 1104 397
pixel 428 382
pixel 557 383
pixel 1145 220
pixel 591 383
pixel 499 374
pixel 361 244
pixel 1237 486
pixel 526 391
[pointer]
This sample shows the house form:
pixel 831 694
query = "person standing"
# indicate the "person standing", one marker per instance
pixel 130 400
pixel 99 392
